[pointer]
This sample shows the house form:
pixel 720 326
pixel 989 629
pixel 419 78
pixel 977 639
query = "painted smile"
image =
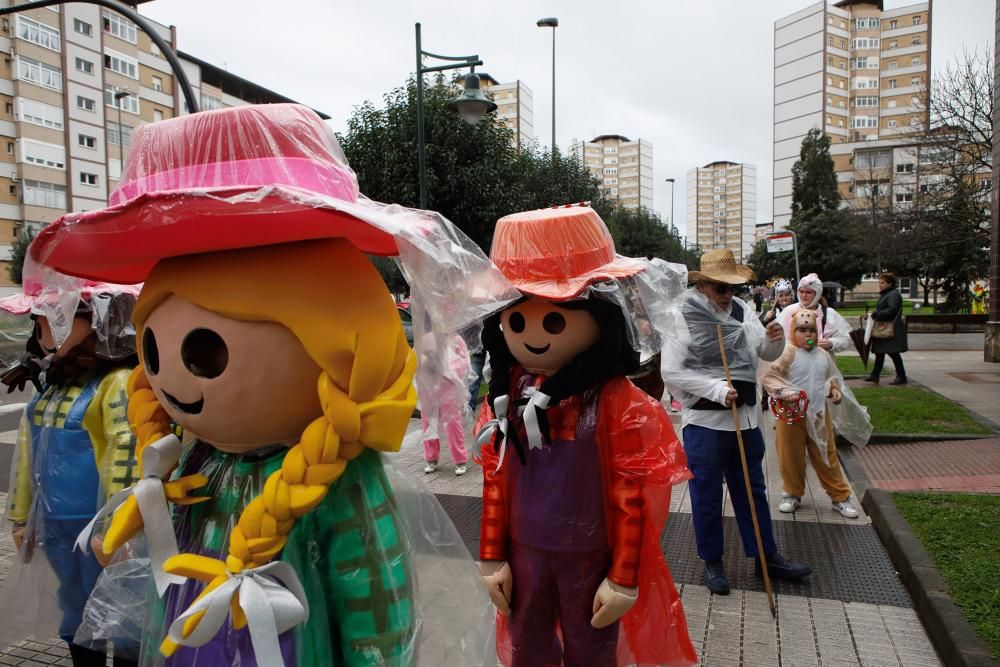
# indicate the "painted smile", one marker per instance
pixel 537 350
pixel 189 408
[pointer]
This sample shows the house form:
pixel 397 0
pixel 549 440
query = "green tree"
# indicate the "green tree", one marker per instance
pixel 17 254
pixel 814 182
pixel 770 265
pixel 474 175
pixel 832 245
pixel 391 274
pixel 641 233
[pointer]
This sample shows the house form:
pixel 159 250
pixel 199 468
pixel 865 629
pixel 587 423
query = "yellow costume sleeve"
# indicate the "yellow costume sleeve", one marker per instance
pixel 106 420
pixel 19 502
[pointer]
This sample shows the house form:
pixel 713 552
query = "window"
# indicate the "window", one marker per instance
pixel 906 168
pixel 892 104
pixel 829 80
pixel 37 33
pixel 85 103
pixel 893 44
pixel 38 113
pixel 122 64
pixel 86 140
pixel 8 108
pixel 39 73
pixel 866 23
pixel 865 43
pixel 892 122
pixel 83 27
pixel 88 179
pixel 915 61
pixel 864 121
pixel 892 64
pixel 119 26
pixel 84 66
pixel 916 20
pixel 893 24
pixel 829 40
pixel 864 62
pixel 42 154
pixel 892 83
pixel 866 101
pixel 915 81
pixel 157 83
pixel 115 135
pixel 10 148
pixel 39 193
pixel 157 115
pixel 129 103
pixel 915 41
pixel 904 197
pixel 209 102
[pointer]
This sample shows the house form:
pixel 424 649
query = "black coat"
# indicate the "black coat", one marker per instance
pixel 890 309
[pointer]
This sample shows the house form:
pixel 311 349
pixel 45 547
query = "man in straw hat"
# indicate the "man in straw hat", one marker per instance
pixel 696 370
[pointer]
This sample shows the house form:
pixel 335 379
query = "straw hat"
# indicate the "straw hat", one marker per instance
pixel 719 266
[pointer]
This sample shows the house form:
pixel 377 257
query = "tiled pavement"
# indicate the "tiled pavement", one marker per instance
pixel 726 630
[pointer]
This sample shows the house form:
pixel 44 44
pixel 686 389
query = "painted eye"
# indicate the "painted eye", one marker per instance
pixel 554 323
pixel 150 353
pixel 516 322
pixel 205 353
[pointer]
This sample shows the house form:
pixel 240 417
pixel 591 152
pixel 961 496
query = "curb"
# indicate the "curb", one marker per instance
pixel 892 438
pixel 952 635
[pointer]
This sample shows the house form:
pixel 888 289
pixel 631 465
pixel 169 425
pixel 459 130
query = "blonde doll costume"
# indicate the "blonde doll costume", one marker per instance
pixel 812 370
pixel 268 336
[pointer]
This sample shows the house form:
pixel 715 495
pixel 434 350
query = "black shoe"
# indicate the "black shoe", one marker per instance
pixel 715 577
pixel 780 567
pixel 872 378
pixel 899 380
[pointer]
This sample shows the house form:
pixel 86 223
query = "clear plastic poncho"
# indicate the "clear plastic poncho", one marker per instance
pixel 815 373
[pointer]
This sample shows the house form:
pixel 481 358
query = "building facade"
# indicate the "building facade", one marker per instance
pixel 75 80
pixel 623 167
pixel 514 102
pixel 859 73
pixel 722 207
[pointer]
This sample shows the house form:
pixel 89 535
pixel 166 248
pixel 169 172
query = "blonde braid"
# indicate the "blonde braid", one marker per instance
pixel 307 471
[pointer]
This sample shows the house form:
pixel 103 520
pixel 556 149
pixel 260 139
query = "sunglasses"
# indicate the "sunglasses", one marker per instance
pixel 722 288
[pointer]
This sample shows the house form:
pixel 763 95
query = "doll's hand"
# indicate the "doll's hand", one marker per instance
pixel 17 532
pixel 499 582
pixel 836 396
pixel 611 602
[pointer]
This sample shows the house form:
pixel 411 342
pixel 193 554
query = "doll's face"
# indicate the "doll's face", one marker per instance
pixel 236 385
pixel 78 334
pixel 805 337
pixel 544 337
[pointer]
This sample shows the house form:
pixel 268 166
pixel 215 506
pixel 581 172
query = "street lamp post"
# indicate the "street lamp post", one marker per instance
pixel 553 23
pixel 119 96
pixel 472 104
pixel 673 227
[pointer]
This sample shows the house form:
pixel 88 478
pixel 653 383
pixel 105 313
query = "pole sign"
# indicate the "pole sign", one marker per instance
pixel 780 242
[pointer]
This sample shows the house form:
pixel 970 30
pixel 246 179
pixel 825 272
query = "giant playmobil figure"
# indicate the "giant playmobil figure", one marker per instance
pixel 74 445
pixel 577 476
pixel 269 337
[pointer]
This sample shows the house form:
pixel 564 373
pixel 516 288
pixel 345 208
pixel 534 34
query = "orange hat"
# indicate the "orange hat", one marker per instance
pixel 555 253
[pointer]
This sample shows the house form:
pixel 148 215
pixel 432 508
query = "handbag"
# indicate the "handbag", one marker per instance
pixel 883 330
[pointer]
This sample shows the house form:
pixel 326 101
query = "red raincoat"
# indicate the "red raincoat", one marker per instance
pixel 641 459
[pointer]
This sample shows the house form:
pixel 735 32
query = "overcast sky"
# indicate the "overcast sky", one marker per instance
pixel 692 77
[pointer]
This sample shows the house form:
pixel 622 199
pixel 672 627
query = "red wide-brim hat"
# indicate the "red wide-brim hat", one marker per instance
pixel 219 180
pixel 556 253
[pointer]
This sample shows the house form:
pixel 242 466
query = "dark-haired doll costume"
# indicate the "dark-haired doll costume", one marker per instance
pixel 590 503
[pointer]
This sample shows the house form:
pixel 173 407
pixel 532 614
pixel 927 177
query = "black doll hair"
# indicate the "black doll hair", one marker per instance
pixel 611 356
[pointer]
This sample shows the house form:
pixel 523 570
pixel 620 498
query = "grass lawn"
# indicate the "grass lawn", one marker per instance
pixel 850 365
pixel 962 534
pixel 913 410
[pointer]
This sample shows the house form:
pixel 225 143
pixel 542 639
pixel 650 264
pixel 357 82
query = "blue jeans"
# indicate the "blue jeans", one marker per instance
pixel 714 456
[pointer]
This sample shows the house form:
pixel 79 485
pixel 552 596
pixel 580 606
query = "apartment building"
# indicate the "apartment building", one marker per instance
pixel 514 102
pixel 75 80
pixel 623 167
pixel 722 207
pixel 858 72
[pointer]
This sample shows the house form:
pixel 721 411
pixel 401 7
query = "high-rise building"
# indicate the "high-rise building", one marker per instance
pixel 514 107
pixel 623 167
pixel 858 72
pixel 75 80
pixel 722 207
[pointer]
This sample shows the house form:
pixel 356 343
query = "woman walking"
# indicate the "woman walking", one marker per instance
pixel 889 310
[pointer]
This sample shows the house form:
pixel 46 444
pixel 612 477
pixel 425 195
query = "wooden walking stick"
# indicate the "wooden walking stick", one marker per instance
pixel 746 479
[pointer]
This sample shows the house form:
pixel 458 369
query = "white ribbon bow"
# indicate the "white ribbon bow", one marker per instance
pixel 272 598
pixel 536 401
pixel 498 422
pixel 158 459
